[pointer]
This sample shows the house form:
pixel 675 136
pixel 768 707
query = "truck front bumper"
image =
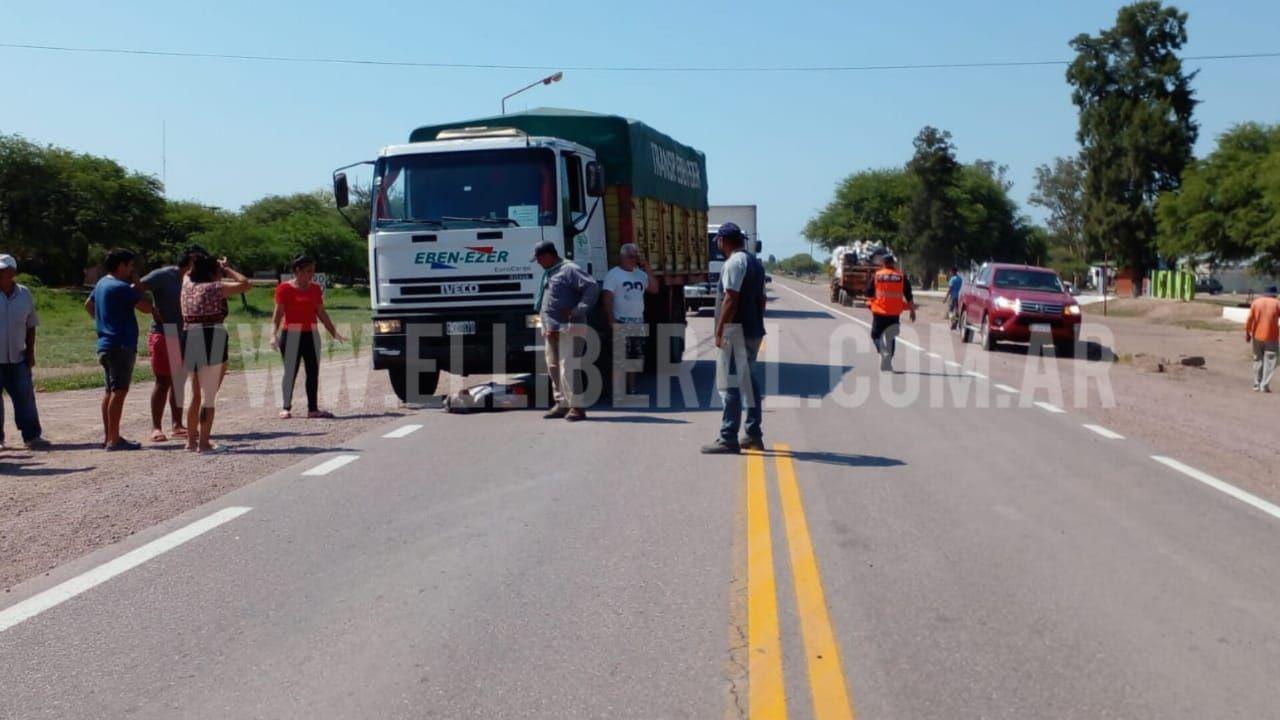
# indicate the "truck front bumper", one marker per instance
pixel 461 343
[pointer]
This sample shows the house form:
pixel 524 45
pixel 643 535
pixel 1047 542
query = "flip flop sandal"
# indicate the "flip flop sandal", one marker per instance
pixel 285 415
pixel 158 437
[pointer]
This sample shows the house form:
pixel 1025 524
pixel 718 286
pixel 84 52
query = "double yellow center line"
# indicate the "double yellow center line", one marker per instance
pixel 766 688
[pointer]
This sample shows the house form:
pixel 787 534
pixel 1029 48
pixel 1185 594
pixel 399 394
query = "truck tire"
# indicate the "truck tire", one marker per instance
pixel 966 332
pixel 427 382
pixel 835 293
pixel 846 299
pixel 987 340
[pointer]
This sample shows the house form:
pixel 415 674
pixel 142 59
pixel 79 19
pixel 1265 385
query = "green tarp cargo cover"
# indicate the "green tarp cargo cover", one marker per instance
pixel 654 165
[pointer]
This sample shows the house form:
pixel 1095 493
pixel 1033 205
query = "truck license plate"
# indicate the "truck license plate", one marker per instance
pixel 460 327
pixel 1040 328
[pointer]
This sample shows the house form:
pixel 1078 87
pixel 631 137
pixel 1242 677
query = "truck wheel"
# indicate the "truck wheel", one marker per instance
pixel 427 382
pixel 966 332
pixel 987 340
pixel 835 293
pixel 846 299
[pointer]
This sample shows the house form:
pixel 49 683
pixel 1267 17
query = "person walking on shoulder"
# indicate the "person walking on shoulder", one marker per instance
pixel 739 334
pixel 888 296
pixel 624 289
pixel 566 296
pixel 299 305
pixel 112 305
pixel 18 322
pixel 1262 329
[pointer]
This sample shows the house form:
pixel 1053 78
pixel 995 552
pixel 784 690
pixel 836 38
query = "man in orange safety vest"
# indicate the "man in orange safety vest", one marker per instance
pixel 888 296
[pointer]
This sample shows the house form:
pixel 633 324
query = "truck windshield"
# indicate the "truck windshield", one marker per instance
pixel 1028 280
pixel 480 188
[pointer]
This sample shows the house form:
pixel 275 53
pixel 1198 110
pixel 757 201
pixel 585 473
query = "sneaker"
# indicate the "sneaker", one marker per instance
pixel 123 444
pixel 556 412
pixel 720 447
pixel 750 443
pixel 38 443
pixel 575 415
pixel 886 363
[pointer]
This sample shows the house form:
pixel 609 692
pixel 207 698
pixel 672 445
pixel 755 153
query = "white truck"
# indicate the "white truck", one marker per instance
pixel 703 294
pixel 457 211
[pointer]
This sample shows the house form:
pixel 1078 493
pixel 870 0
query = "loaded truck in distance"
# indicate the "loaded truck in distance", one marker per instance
pixel 457 210
pixel 698 295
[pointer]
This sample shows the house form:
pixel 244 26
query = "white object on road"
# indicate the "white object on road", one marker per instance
pixel 63 592
pixel 1006 388
pixel 332 464
pixel 1220 486
pixel 1050 407
pixel 402 431
pixel 1104 432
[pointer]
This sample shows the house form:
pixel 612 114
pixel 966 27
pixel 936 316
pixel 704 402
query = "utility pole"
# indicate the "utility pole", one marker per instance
pixel 164 156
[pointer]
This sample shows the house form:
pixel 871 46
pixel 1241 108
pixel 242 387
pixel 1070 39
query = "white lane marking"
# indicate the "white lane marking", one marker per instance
pixel 976 374
pixel 1006 388
pixel 63 592
pixel 1108 434
pixel 1049 407
pixel 910 344
pixel 402 431
pixel 1216 484
pixel 332 464
pixel 863 323
pixel 934 355
pixel 952 364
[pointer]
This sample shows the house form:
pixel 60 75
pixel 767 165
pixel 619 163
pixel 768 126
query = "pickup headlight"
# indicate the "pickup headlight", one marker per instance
pixel 1071 310
pixel 387 327
pixel 533 321
pixel 1005 303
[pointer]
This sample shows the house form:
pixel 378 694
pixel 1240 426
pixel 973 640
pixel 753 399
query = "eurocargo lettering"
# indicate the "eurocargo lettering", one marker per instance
pixel 457 210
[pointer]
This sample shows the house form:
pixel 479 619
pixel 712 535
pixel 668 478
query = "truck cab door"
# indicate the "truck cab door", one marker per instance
pixel 584 240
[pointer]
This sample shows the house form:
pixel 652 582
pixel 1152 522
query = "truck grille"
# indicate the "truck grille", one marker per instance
pixel 1036 308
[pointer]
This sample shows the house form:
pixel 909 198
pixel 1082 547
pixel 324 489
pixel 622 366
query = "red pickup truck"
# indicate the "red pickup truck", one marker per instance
pixel 1012 302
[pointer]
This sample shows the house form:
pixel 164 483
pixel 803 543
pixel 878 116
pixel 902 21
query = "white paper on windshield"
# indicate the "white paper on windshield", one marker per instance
pixel 524 215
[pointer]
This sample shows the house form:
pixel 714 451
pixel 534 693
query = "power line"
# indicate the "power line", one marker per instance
pixel 592 68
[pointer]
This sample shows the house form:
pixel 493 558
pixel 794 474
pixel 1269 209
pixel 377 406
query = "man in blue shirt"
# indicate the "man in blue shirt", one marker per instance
pixel 112 305
pixel 953 294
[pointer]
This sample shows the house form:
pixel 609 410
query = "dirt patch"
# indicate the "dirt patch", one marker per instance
pixel 56 506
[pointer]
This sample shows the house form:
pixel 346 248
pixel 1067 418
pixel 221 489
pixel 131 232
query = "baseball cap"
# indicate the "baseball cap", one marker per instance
pixel 8 263
pixel 729 230
pixel 546 246
pixel 1271 291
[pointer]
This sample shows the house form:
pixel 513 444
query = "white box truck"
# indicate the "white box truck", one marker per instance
pixel 703 294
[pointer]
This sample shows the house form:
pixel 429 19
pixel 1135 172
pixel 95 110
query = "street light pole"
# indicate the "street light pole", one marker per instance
pixel 553 78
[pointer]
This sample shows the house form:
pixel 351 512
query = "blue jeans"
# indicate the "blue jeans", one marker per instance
pixel 731 383
pixel 15 381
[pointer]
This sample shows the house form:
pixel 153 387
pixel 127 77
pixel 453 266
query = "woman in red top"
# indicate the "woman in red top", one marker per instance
pixel 299 304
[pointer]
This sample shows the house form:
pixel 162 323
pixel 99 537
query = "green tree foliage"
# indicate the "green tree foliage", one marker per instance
pixel 868 205
pixel 932 227
pixel 1228 207
pixel 1136 128
pixel 60 211
pixel 1060 191
pixel 800 264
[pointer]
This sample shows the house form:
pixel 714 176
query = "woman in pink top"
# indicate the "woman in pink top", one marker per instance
pixel 204 308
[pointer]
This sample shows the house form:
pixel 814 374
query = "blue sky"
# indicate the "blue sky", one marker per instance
pixel 238 130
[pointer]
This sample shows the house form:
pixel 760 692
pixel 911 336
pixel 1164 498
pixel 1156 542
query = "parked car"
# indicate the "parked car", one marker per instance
pixel 1208 286
pixel 1012 302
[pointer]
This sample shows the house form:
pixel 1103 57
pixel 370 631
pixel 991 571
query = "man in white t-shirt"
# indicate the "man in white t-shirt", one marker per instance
pixel 624 289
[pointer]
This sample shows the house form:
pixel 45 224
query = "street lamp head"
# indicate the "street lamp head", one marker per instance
pixel 552 78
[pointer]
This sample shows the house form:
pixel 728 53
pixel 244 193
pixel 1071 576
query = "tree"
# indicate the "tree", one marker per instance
pixel 1060 191
pixel 1136 128
pixel 1228 207
pixel 931 228
pixel 868 205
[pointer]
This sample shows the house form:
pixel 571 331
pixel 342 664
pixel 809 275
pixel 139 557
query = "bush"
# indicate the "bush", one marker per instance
pixel 30 280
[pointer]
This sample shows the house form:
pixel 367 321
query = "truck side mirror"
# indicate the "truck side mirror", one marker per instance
pixel 756 244
pixel 341 193
pixel 595 179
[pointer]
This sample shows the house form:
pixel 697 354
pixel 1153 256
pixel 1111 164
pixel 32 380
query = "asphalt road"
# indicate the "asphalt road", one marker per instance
pixel 897 553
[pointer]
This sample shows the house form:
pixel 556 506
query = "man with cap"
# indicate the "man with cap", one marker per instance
pixel 739 334
pixel 565 297
pixel 1262 328
pixel 888 296
pixel 18 323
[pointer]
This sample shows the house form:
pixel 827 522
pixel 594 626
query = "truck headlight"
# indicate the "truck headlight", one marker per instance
pixel 1005 303
pixel 387 327
pixel 1071 310
pixel 533 321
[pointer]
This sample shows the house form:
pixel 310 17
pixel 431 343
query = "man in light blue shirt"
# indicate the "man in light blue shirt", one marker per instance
pixel 18 322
